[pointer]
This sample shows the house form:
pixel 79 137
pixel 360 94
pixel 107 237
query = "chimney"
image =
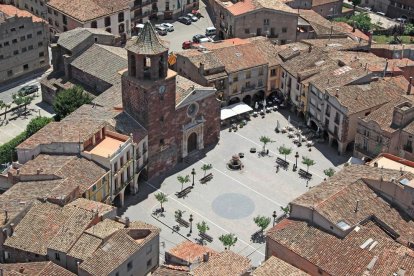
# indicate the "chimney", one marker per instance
pixel 6 216
pixel 18 171
pixel 409 86
pixel 386 67
pixel 201 68
pixel 337 92
pixel 357 206
pixel 38 171
pixel 375 164
pixel 21 269
pixel 206 256
pixel 127 222
pixel 310 49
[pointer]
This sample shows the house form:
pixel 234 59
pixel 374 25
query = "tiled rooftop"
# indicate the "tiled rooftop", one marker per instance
pixel 183 88
pixel 106 147
pixel 167 271
pixel 12 11
pixel 347 256
pixel 73 38
pixel 276 267
pixel 118 248
pixel 190 251
pixel 245 6
pixel 320 24
pixel 35 269
pixel 224 263
pixel 94 206
pixel 105 228
pixel 87 10
pixel 147 42
pixel 84 246
pixel 336 44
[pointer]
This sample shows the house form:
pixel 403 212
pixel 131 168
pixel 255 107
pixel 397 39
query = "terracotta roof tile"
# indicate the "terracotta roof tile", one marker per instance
pixel 276 267
pixel 84 247
pixel 245 6
pixel 73 38
pixel 224 263
pixel 35 269
pixel 11 11
pixel 147 42
pixel 93 206
pixel 105 228
pixel 190 251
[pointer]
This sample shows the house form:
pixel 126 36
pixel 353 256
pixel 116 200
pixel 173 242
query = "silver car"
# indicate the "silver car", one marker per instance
pixel 168 26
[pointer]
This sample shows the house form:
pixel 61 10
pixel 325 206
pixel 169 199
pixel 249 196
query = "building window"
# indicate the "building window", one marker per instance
pixel 162 142
pixel 1 57
pixel 149 249
pixel 116 167
pixel 149 263
pixel 65 29
pixel 56 23
pixel 6 43
pixel 41 54
pixel 94 188
pixel 26 67
pixel 57 256
pixel 30 47
pixel 129 266
pixel 55 13
pixel 266 22
pixel 107 21
pixel 273 72
pixel 22 38
pixel 49 10
pixel 10 73
pixel 40 44
pixel 167 6
pixel 121 17
pixel 21 27
pixel 24 50
pixel 64 19
pixel 15 52
pixel 39 32
pixel 337 118
pixel 121 28
pixel 248 75
pixel 14 41
pixel 13 29
pixel 50 21
pixel 261 71
pixel 94 24
pixel 247 31
pixel 162 119
pixel 29 36
pixel 284 30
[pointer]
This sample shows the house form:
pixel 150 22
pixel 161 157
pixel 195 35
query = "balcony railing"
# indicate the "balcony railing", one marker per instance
pixel 123 185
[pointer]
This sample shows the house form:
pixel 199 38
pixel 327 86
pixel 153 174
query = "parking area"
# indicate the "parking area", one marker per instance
pixel 184 32
pixel 230 201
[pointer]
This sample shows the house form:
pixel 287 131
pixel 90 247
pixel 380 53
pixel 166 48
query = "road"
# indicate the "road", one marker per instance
pixel 186 32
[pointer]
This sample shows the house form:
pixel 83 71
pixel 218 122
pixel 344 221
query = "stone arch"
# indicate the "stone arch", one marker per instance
pixel 313 125
pixel 247 100
pixel 234 100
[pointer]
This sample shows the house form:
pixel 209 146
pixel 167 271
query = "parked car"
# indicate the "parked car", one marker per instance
pixel 28 89
pixel 168 26
pixel 210 31
pixel 192 17
pixel 187 44
pixel 185 20
pixel 161 30
pixel 198 37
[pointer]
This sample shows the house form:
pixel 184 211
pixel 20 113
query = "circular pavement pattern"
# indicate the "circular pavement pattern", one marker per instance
pixel 233 206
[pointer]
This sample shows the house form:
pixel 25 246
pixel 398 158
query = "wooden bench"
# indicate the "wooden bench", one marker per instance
pixel 282 162
pixel 206 178
pixel 184 192
pixel 305 174
pixel 183 222
pixel 206 237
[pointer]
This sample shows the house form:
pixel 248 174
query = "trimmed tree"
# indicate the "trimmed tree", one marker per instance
pixel 69 100
pixel 262 222
pixel 265 140
pixel 161 198
pixel 202 227
pixel 285 151
pixel 228 240
pixel 308 162
pixel 36 124
pixel 206 167
pixel 329 172
pixel 183 180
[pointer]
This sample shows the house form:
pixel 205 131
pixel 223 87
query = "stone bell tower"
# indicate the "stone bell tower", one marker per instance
pixel 148 95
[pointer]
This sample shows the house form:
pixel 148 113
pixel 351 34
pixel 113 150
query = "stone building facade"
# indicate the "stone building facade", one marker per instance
pixel 155 97
pixel 23 43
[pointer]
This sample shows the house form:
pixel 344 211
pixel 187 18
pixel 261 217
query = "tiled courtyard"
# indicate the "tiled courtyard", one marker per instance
pixel 231 199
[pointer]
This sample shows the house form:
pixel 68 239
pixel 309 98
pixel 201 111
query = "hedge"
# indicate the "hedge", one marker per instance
pixel 8 150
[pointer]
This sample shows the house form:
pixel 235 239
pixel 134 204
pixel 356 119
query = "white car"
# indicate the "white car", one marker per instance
pixel 192 17
pixel 161 30
pixel 168 26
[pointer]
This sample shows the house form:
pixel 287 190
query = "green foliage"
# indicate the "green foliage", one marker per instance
pixel 183 180
pixel 36 124
pixel 285 151
pixel 308 162
pixel 69 100
pixel 228 240
pixel 361 21
pixel 202 227
pixel 262 222
pixel 285 209
pixel 161 198
pixel 356 2
pixel 178 214
pixel 206 167
pixel 8 150
pixel 265 140
pixel 329 172
pixel 408 29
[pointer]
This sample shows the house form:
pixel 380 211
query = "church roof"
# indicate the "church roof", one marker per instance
pixel 147 42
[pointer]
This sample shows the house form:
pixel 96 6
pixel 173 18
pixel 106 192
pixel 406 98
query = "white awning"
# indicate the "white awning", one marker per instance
pixel 234 110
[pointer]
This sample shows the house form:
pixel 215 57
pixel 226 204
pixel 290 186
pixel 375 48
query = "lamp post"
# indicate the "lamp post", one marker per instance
pixel 191 223
pixel 274 218
pixel 296 162
pixel 193 173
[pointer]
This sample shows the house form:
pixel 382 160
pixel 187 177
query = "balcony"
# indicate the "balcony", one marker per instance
pixel 140 15
pixel 119 188
pixel 248 88
pixel 139 4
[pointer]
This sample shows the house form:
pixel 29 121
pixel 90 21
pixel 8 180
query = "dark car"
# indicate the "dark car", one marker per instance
pixel 198 37
pixel 28 89
pixel 185 20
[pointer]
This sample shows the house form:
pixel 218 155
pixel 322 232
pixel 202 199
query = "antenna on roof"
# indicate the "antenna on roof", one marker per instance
pixel 357 206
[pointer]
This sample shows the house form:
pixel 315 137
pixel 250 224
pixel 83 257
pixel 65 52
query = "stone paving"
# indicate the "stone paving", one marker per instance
pixel 230 201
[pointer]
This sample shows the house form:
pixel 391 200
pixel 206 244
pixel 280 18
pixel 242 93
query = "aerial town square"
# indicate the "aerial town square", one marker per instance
pixel 207 138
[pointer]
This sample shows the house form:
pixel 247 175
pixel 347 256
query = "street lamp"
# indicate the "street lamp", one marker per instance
pixel 193 173
pixel 274 218
pixel 296 162
pixel 191 223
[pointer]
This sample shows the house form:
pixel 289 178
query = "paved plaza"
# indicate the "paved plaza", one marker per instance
pixel 230 201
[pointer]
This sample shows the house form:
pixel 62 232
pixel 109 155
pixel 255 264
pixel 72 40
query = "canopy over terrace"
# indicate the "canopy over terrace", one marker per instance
pixel 234 110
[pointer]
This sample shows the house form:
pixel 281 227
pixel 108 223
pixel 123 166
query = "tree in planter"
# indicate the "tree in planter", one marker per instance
pixel 262 222
pixel 308 162
pixel 202 227
pixel 69 100
pixel 162 198
pixel 228 240
pixel 285 151
pixel 265 140
pixel 329 172
pixel 285 209
pixel 183 180
pixel 206 167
